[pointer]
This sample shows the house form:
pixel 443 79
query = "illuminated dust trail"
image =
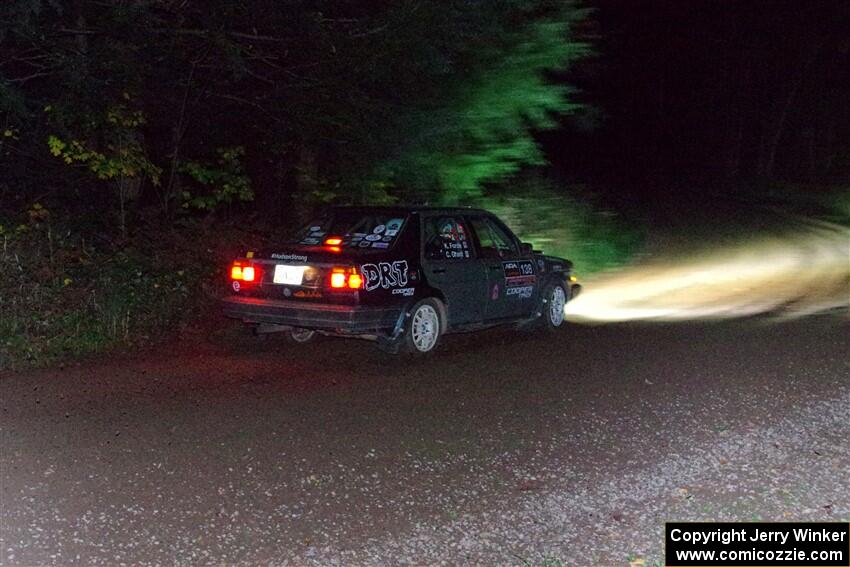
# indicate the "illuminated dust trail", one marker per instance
pixel 801 269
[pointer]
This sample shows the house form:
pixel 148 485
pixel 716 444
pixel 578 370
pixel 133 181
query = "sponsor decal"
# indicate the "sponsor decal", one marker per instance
pixel 494 295
pixel 405 291
pixel 557 267
pixel 287 292
pixel 373 237
pixel 387 238
pixel 519 273
pixel 390 232
pixel 311 241
pixel 385 275
pixel 364 244
pixel 315 228
pixel 291 257
pixel 394 225
pixel 523 292
pixel 380 245
pixel 236 285
pixel 379 229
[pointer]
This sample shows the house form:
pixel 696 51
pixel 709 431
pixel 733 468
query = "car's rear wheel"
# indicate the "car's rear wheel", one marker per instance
pixel 301 336
pixel 423 327
pixel 554 301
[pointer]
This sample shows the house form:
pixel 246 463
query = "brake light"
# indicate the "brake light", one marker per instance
pixel 346 278
pixel 242 273
pixel 333 241
pixel 338 280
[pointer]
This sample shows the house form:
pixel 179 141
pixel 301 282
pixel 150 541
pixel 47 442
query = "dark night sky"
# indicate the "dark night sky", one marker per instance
pixel 687 94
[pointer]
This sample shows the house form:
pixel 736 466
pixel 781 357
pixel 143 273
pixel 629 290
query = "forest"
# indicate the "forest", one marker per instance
pixel 145 142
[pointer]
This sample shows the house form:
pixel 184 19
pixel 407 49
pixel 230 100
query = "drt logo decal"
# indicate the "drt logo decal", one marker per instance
pixel 385 275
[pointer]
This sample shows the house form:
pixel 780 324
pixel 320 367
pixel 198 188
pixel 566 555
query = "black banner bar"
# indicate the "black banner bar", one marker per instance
pixel 757 544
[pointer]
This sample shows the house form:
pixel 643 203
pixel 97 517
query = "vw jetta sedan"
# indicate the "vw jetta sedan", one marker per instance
pixel 402 276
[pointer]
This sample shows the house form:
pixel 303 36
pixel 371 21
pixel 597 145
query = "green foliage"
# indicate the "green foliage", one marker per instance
pixel 109 145
pixel 225 182
pixel 558 224
pixel 476 124
pixel 409 99
pixel 126 160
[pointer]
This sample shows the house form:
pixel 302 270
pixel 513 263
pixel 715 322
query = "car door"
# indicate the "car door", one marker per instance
pixel 450 265
pixel 512 277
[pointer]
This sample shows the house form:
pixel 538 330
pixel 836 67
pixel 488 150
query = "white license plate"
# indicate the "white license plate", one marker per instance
pixel 288 275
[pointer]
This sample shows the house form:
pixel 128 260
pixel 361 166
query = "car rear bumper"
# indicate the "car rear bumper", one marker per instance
pixel 354 319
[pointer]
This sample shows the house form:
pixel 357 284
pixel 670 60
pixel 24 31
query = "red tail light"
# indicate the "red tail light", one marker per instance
pixel 333 241
pixel 243 273
pixel 338 280
pixel 345 278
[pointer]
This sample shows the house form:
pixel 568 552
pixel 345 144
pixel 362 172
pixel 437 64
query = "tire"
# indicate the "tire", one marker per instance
pixel 552 312
pixel 423 327
pixel 301 336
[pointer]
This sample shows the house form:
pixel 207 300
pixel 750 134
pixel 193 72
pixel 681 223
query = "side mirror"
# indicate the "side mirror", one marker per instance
pixel 526 248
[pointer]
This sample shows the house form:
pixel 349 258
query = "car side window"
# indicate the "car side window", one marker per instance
pixel 446 239
pixel 492 238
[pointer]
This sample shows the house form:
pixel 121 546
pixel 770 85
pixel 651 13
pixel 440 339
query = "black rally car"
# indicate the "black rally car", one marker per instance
pixel 403 276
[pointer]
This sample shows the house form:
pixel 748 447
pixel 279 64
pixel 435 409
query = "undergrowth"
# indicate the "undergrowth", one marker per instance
pixel 71 287
pixel 64 295
pixel 556 223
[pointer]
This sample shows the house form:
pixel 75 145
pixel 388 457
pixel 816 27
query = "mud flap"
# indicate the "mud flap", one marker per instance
pixel 392 342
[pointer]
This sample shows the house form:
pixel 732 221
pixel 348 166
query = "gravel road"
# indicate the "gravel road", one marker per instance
pixel 505 448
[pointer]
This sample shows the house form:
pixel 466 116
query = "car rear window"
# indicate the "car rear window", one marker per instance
pixel 377 230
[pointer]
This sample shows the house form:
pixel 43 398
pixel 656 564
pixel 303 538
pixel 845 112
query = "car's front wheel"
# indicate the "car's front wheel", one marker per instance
pixel 423 327
pixel 554 301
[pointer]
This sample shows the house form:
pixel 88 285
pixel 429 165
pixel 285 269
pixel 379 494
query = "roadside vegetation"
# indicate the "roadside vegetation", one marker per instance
pixel 65 293
pixel 826 201
pixel 72 286
pixel 555 220
pixel 145 145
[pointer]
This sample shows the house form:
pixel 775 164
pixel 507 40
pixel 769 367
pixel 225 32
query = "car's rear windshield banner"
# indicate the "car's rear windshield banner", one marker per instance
pixel 763 544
